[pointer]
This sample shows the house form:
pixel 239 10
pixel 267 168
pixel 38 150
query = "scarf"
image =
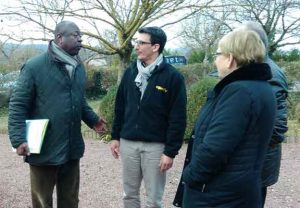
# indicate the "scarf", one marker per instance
pixel 144 73
pixel 70 62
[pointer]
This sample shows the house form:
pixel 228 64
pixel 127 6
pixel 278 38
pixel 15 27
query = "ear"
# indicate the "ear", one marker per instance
pixel 59 39
pixel 156 47
pixel 231 64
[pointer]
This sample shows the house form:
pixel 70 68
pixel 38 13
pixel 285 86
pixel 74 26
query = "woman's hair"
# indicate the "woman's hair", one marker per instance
pixel 245 46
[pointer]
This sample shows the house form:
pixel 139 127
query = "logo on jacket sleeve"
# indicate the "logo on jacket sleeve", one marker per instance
pixel 160 88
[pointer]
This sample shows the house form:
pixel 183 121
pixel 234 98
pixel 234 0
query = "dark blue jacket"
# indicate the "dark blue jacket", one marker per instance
pixel 160 116
pixel 271 167
pixel 45 91
pixel 232 133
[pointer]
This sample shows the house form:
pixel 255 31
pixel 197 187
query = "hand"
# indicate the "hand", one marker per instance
pixel 100 126
pixel 23 149
pixel 115 148
pixel 165 163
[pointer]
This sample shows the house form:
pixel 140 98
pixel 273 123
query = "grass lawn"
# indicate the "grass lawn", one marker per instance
pixel 85 129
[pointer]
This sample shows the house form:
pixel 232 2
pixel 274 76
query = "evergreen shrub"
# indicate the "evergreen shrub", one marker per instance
pixel 195 72
pixel 196 98
pixel 297 112
pixel 294 106
pixel 292 70
pixel 106 107
pixel 99 80
pixel 196 56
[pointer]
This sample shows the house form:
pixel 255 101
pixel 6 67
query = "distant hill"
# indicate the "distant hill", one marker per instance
pixel 9 48
pixel 12 46
pixel 179 51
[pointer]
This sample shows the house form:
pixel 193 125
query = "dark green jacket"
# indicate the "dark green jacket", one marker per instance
pixel 271 167
pixel 45 91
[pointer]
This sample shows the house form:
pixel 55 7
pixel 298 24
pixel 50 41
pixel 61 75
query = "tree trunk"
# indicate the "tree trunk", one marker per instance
pixel 124 62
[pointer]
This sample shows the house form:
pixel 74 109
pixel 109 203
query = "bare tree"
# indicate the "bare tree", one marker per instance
pixel 203 30
pixel 109 25
pixel 4 52
pixel 8 55
pixel 279 18
pixel 19 56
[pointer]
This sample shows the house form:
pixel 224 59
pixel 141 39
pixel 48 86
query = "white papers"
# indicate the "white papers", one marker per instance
pixel 35 132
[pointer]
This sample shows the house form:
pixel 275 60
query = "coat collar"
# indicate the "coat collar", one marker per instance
pixel 253 71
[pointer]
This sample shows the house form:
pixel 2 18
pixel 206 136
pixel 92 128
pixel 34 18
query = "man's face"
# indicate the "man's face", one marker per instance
pixel 145 50
pixel 70 40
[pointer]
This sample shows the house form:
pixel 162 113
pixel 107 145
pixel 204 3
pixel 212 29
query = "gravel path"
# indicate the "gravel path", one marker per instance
pixel 101 178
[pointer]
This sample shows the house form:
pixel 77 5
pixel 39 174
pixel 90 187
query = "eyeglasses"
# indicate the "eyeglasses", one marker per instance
pixel 139 42
pixel 217 54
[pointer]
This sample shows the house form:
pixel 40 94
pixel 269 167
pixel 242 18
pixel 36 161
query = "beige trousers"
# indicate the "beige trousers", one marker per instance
pixel 140 160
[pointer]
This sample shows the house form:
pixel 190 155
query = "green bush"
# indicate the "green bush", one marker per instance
pixel 297 112
pixel 196 56
pixel 196 98
pixel 94 87
pixel 292 70
pixel 3 120
pixel 287 56
pixel 99 80
pixel 109 77
pixel 294 106
pixel 5 68
pixel 106 107
pixel 195 72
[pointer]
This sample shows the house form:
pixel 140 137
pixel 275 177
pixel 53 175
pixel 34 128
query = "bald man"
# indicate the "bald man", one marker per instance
pixel 271 166
pixel 51 86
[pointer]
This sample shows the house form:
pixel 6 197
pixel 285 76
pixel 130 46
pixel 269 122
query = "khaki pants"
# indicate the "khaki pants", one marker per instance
pixel 140 160
pixel 65 177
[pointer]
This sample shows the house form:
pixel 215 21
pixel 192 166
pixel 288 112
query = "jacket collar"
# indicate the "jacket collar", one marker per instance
pixel 160 67
pixel 253 71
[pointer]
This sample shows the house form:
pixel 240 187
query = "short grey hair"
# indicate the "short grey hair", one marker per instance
pixel 258 28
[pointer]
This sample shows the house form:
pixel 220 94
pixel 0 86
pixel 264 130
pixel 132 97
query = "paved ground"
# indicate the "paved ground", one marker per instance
pixel 101 183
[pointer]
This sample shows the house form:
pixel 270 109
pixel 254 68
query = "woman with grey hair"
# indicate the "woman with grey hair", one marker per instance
pixel 233 128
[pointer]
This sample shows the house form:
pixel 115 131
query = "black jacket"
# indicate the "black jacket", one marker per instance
pixel 231 136
pixel 45 91
pixel 271 167
pixel 160 116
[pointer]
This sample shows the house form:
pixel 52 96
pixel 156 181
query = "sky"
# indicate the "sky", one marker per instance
pixel 171 31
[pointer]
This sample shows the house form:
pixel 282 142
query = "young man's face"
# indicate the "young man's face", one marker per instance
pixel 145 50
pixel 70 40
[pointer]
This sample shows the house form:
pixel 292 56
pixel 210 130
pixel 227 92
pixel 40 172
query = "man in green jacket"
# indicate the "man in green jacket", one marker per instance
pixel 51 86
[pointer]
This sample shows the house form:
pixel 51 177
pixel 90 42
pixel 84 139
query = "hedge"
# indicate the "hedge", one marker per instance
pixel 196 98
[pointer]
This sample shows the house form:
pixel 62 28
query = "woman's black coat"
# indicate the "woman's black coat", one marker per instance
pixel 231 136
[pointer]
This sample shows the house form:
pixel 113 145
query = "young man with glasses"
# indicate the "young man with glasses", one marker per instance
pixel 150 119
pixel 51 86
